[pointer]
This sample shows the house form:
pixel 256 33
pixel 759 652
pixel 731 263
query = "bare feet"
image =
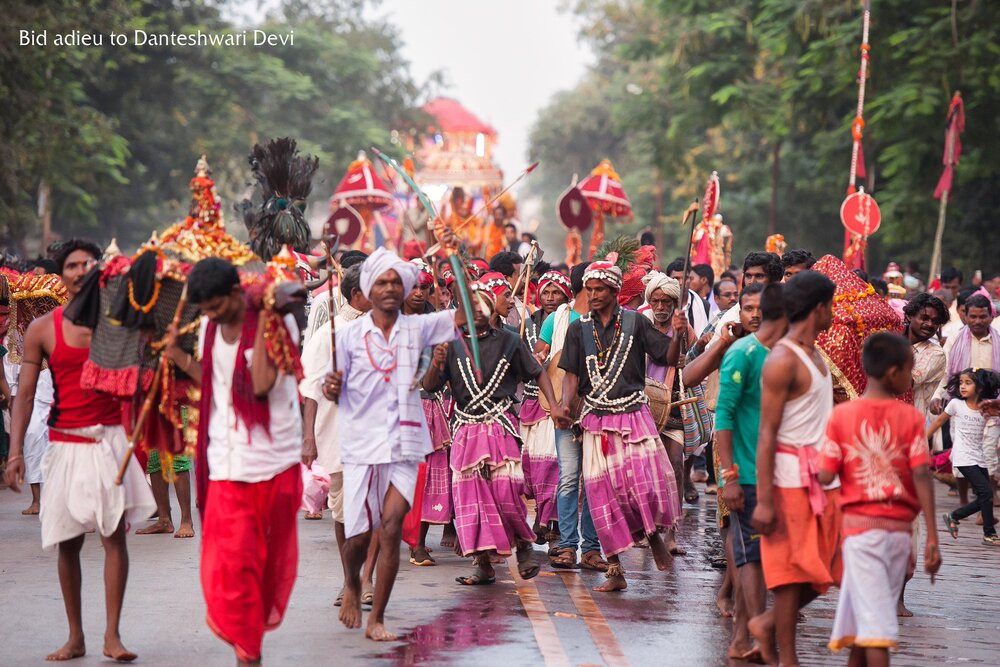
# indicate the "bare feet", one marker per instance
pixel 661 555
pixel 72 649
pixel 448 537
pixel 162 526
pixel 725 605
pixel 613 583
pixel 377 633
pixel 350 610
pixel 186 530
pixel 902 611
pixel 672 546
pixel 113 649
pixel 763 632
pixel 32 510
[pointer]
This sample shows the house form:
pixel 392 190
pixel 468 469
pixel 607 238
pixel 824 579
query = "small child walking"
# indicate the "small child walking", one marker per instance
pixel 973 449
pixel 876 445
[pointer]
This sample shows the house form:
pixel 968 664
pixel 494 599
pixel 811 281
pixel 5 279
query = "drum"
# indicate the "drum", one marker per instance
pixel 659 403
pixel 556 376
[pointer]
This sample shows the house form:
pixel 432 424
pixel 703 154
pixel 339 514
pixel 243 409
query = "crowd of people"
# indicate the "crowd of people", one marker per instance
pixel 572 408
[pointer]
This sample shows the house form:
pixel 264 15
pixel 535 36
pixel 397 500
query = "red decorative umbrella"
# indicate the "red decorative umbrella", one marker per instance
pixel 364 191
pixel 604 192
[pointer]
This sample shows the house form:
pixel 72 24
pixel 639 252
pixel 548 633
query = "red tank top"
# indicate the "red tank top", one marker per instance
pixel 72 406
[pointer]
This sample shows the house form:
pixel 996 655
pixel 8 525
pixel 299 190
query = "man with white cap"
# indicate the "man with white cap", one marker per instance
pixel 383 431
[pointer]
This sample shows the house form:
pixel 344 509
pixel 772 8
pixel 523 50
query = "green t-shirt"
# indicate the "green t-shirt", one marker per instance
pixel 549 325
pixel 738 409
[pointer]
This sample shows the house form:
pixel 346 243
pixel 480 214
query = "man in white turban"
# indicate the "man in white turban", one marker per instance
pixel 382 427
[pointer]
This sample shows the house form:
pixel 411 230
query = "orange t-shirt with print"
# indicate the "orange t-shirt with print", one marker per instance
pixel 874 445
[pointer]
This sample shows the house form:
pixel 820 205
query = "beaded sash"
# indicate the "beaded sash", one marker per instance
pixel 602 382
pixel 482 409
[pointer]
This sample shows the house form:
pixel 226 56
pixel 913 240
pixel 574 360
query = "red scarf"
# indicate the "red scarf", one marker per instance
pixel 252 411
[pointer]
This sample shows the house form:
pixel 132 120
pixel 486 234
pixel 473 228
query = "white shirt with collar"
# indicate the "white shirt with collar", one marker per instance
pixel 374 427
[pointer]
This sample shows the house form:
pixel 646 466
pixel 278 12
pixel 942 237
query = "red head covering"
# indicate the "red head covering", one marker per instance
pixel 557 279
pixel 494 282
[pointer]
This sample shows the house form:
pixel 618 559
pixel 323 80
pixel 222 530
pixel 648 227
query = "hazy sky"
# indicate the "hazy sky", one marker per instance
pixel 503 59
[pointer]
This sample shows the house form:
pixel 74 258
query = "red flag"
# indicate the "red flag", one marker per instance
pixel 952 153
pixel 859 171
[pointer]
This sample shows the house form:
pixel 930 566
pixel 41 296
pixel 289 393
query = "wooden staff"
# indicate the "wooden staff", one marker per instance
pixel 147 404
pixel 329 300
pixel 527 284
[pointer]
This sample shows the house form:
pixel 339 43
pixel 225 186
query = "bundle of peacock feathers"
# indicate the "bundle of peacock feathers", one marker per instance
pixel 274 213
pixel 621 251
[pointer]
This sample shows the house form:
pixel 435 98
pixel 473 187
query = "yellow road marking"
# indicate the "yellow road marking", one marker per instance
pixel 542 625
pixel 604 638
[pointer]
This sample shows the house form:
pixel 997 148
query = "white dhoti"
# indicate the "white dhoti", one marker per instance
pixel 875 564
pixel 36 438
pixel 365 487
pixel 80 493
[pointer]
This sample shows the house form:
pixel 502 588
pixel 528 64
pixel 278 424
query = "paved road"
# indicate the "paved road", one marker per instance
pixel 665 618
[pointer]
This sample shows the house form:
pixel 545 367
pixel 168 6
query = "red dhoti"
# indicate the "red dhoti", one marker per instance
pixel 249 557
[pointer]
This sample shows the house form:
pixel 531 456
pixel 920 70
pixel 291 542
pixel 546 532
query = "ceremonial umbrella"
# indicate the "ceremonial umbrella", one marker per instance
pixel 364 191
pixel 604 192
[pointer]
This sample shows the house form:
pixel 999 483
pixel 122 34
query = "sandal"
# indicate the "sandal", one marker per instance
pixel 421 557
pixel 592 560
pixel 314 516
pixel 563 558
pixel 477 578
pixel 691 496
pixel 339 601
pixel 368 598
pixel 951 524
pixel 526 565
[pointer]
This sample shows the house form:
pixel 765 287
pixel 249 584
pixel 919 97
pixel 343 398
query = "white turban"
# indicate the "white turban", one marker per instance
pixel 655 280
pixel 381 261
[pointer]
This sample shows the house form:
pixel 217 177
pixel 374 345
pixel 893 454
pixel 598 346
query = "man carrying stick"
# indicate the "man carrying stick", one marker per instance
pixel 87 441
pixel 383 431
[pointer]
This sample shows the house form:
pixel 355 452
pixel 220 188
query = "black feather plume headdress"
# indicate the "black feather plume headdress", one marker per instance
pixel 274 211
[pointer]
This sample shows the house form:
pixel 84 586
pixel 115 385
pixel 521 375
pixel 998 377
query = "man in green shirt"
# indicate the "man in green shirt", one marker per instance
pixel 737 420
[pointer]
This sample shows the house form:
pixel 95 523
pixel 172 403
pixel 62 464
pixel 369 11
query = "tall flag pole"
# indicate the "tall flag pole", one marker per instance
pixel 952 152
pixel 854 244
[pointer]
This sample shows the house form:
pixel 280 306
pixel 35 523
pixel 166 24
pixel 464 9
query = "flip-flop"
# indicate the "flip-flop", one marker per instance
pixel 339 601
pixel 478 578
pixel 310 516
pixel 951 524
pixel 368 598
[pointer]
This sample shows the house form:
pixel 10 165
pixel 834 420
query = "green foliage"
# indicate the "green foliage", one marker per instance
pixel 764 91
pixel 116 131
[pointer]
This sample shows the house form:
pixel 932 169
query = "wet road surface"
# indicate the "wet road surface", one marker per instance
pixel 665 618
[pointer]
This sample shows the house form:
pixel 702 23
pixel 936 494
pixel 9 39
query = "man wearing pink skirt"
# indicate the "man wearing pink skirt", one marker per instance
pixel 490 514
pixel 627 476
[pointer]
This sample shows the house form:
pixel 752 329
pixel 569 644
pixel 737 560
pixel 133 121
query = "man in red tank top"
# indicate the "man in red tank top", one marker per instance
pixel 86 443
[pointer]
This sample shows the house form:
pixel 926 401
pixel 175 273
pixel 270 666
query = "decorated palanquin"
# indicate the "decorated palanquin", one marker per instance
pixel 31 296
pixel 140 297
pixel 858 312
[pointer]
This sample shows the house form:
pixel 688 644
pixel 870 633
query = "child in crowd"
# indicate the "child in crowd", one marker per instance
pixel 877 447
pixel 973 449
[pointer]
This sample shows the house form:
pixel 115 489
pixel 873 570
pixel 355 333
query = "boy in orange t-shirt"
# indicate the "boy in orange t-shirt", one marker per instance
pixel 877 446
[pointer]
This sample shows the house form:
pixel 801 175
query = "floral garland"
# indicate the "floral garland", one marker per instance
pixel 848 299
